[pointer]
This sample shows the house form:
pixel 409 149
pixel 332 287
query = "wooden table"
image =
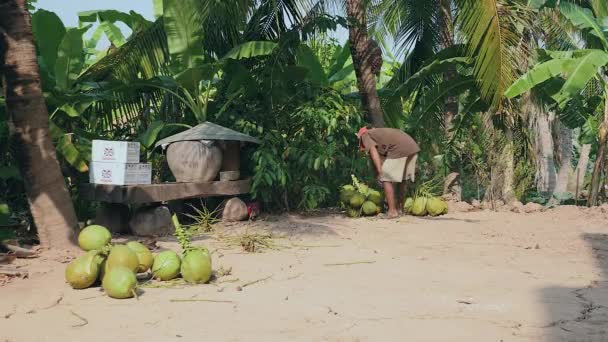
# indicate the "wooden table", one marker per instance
pixel 115 213
pixel 132 194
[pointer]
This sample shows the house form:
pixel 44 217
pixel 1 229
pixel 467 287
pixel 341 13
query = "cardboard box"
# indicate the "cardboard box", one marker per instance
pixel 120 173
pixel 115 151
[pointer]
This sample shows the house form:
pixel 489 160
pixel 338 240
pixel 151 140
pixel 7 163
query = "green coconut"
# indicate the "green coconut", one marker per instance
pixel 357 200
pixel 419 206
pixel 346 195
pixel 94 238
pixel 120 282
pixel 348 187
pixel 166 265
pixel 121 255
pixel 196 266
pixel 83 271
pixel 407 206
pixel 145 257
pixel 435 206
pixel 353 213
pixel 369 208
pixel 376 197
pixel 364 189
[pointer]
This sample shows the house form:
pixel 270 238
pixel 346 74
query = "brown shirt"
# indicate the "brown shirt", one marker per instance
pixel 391 143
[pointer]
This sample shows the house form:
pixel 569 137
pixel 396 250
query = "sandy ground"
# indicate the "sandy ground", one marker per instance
pixel 464 277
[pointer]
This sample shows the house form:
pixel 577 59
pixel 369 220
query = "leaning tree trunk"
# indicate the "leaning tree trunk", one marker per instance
pixel 507 161
pixel 49 200
pixel 546 174
pixel 362 61
pixel 581 170
pixel 564 151
pixel 596 179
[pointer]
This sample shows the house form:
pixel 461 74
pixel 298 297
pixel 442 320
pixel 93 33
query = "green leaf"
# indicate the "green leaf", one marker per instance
pixel 158 8
pixel 600 7
pixel 87 17
pixel 132 19
pixel 339 60
pixel 149 137
pixel 69 110
pixel 537 75
pixel 70 58
pixel 579 72
pixel 5 214
pixel 66 148
pixel 536 4
pixel 437 66
pixel 583 18
pixel 306 57
pixel 343 74
pixel 190 77
pixel 48 31
pixel 113 33
pixel 184 30
pixel 95 37
pixel 251 49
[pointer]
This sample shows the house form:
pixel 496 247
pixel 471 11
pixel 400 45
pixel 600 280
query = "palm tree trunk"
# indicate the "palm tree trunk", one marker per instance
pixel 546 173
pixel 507 161
pixel 447 40
pixel 564 152
pixel 596 179
pixel 49 200
pixel 362 55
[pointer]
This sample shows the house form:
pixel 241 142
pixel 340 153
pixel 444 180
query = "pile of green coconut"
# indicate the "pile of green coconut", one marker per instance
pixel 359 199
pixel 423 205
pixel 116 266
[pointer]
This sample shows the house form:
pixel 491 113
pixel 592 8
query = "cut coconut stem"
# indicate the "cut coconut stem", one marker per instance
pixel 256 281
pixel 351 263
pixel 200 300
pixel 20 252
pixel 84 320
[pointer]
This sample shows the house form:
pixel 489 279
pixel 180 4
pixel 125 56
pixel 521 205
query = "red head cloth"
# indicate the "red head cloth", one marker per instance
pixel 362 131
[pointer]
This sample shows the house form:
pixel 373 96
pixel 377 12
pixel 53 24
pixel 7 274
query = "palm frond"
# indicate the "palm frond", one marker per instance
pixel 492 30
pixel 144 56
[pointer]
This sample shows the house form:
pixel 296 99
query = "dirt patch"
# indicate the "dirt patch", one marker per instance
pixel 479 276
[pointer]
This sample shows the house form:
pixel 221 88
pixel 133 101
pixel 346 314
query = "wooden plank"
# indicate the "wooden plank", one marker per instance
pixel 130 194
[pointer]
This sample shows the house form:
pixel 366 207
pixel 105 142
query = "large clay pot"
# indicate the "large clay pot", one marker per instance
pixel 193 161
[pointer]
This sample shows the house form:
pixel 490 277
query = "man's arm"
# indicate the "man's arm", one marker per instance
pixel 375 157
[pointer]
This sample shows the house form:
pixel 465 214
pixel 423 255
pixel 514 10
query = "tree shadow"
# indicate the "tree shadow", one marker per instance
pixel 448 219
pixel 296 226
pixel 580 314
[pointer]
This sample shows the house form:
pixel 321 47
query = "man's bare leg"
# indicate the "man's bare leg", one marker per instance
pixel 389 193
pixel 401 195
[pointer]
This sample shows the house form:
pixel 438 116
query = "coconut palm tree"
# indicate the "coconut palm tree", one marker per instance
pixel 363 56
pixel 50 202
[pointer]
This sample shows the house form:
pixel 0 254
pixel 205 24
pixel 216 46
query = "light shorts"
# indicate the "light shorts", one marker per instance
pixel 398 170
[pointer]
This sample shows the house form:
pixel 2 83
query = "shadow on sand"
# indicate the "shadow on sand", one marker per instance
pixel 581 314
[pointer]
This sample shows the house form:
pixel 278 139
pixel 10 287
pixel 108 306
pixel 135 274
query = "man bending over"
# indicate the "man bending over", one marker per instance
pixel 394 154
